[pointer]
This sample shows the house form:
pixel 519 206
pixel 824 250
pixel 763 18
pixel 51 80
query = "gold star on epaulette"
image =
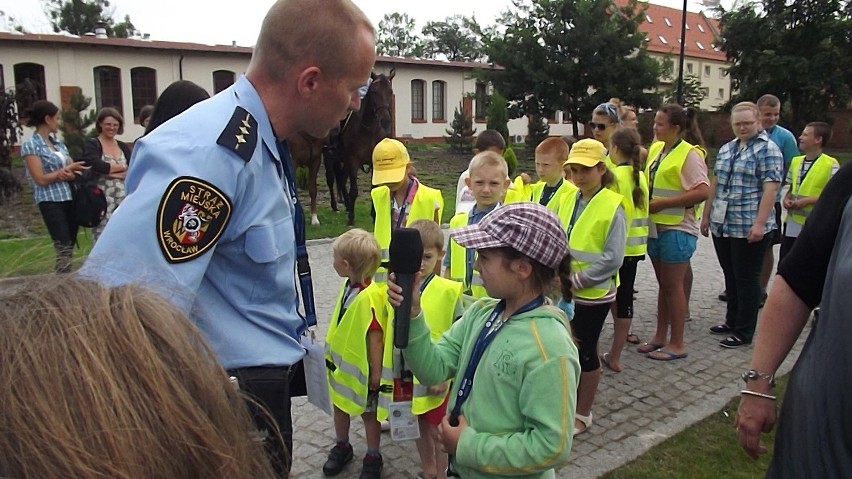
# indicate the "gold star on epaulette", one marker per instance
pixel 240 135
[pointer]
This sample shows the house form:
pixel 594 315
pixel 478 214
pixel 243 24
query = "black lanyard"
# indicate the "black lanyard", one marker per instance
pixel 489 331
pixel 652 173
pixel 303 266
pixel 574 214
pixel 403 210
pixel 803 173
pixel 426 282
pixel 347 292
pixel 546 199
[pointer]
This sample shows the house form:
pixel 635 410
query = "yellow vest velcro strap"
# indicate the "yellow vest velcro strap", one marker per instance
pixel 585 256
pixel 636 241
pixel 639 222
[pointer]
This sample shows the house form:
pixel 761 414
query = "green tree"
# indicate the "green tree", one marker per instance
pixel 395 37
pixel 83 16
pixel 570 55
pixel 692 92
pixel 76 125
pixel 460 134
pixel 10 131
pixel 498 115
pixel 798 51
pixel 458 38
pixel 537 131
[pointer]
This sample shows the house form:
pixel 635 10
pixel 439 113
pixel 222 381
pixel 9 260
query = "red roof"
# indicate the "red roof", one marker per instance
pixel 662 26
pixel 43 38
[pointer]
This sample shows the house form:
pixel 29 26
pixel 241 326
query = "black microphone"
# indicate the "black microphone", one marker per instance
pixel 406 253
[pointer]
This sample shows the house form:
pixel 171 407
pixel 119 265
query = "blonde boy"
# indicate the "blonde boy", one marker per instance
pixel 441 299
pixel 357 350
pixel 489 178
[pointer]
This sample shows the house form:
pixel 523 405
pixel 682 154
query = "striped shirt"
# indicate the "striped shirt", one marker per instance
pixel 51 160
pixel 740 175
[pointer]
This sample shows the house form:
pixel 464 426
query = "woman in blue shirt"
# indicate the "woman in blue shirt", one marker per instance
pixel 49 169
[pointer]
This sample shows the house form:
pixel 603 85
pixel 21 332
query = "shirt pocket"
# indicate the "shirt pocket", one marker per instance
pixel 270 252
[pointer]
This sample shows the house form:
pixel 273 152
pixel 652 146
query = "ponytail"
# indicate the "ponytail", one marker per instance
pixel 564 273
pixel 627 140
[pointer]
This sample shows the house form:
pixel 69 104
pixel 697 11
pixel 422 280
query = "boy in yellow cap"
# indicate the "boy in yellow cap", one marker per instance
pixel 399 198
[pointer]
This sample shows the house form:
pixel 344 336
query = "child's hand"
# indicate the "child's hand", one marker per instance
pixel 526 178
pixel 395 293
pixel 438 390
pixel 449 435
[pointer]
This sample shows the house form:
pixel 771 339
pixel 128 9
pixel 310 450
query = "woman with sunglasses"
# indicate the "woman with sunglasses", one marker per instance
pixel 604 122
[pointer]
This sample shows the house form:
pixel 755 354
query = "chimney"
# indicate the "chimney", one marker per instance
pixel 233 43
pixel 146 36
pixel 100 30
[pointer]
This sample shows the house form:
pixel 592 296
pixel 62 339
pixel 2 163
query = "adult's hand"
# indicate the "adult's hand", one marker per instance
pixel 754 416
pixel 755 234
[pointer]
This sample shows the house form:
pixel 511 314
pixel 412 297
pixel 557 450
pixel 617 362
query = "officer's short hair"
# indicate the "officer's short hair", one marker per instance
pixel 361 250
pixel 430 233
pixel 488 158
pixel 320 32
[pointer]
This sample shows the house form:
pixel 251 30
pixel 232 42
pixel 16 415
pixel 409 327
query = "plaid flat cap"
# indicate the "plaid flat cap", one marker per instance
pixel 529 228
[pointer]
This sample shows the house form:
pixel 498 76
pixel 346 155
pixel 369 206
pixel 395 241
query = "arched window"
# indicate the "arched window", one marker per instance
pixel 418 100
pixel 439 101
pixel 108 88
pixel 222 79
pixel 35 74
pixel 143 88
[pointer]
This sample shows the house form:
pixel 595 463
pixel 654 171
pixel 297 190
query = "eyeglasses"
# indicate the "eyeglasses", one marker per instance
pixel 599 126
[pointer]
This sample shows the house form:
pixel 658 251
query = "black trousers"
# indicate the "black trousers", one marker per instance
pixel 269 388
pixel 742 262
pixel 586 326
pixel 62 226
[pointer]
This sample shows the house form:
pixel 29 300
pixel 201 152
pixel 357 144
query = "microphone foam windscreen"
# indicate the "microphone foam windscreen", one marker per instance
pixel 406 251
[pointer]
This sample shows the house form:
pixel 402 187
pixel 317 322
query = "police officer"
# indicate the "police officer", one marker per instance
pixel 210 216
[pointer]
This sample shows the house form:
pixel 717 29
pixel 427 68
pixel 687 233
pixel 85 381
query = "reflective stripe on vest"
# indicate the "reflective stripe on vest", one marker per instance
pixel 423 207
pixel 458 262
pixel 666 179
pixel 637 218
pixel 438 301
pixel 812 185
pixel 589 235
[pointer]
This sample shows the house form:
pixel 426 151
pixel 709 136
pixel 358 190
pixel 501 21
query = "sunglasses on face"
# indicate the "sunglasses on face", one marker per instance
pixel 599 126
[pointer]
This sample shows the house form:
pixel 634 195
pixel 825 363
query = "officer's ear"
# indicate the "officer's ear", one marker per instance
pixel 309 81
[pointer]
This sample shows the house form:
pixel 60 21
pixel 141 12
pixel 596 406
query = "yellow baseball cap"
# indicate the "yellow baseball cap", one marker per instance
pixel 390 158
pixel 586 152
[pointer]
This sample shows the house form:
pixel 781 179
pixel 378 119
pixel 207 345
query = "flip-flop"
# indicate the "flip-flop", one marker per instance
pixel 669 356
pixel 646 348
pixel 633 339
pixel 605 361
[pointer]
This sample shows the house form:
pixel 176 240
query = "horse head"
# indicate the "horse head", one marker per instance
pixel 376 107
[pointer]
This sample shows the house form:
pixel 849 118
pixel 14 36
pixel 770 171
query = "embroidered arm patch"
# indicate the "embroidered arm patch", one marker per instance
pixel 192 215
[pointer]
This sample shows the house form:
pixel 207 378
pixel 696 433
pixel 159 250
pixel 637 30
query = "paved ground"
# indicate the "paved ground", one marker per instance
pixel 635 409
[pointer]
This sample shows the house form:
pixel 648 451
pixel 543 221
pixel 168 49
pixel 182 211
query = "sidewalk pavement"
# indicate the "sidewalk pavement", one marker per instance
pixel 648 402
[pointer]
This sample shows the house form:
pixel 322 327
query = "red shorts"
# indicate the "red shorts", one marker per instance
pixel 435 416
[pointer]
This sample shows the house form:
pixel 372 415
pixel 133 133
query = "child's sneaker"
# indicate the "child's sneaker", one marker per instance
pixel 372 468
pixel 338 457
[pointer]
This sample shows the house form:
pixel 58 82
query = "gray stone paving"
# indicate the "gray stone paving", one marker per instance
pixel 634 410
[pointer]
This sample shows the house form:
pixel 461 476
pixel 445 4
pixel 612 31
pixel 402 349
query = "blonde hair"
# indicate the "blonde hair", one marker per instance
pixel 553 146
pixel 114 382
pixel 316 31
pixel 490 159
pixel 430 233
pixel 361 250
pixel 746 105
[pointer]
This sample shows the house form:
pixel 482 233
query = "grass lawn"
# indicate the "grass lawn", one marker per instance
pixel 36 255
pixel 702 451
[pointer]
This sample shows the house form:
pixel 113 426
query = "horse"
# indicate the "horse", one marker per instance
pixel 307 151
pixel 359 134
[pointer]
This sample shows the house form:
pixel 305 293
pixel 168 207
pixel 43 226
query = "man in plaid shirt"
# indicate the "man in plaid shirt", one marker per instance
pixel 748 172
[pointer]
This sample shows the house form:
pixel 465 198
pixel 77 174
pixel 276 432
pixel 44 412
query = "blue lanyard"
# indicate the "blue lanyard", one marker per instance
pixel 303 266
pixel 486 336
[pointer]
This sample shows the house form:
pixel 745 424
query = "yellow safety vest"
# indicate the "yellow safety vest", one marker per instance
pixel 665 181
pixel 517 192
pixel 811 185
pixel 637 218
pixel 588 237
pixel 565 189
pixel 609 163
pixel 423 207
pixel 458 263
pixel 346 351
pixel 438 301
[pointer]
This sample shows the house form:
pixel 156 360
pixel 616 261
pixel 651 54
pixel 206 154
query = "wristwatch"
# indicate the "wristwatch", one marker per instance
pixel 754 374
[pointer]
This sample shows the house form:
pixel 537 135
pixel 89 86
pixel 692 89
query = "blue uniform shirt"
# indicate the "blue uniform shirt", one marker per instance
pixel 236 279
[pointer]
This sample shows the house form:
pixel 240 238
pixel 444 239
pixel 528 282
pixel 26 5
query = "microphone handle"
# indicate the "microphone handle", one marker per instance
pixel 402 313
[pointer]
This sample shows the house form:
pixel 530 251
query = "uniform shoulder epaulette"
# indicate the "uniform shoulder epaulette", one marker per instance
pixel 240 135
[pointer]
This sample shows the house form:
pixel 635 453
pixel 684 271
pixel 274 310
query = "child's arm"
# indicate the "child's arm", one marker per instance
pixel 375 350
pixel 544 440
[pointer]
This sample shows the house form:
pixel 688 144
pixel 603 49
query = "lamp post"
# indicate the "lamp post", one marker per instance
pixel 681 58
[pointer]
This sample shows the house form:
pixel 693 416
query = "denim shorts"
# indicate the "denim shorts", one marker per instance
pixel 672 246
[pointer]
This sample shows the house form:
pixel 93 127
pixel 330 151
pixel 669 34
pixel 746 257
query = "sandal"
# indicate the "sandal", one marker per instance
pixel 649 347
pixel 633 339
pixel 587 423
